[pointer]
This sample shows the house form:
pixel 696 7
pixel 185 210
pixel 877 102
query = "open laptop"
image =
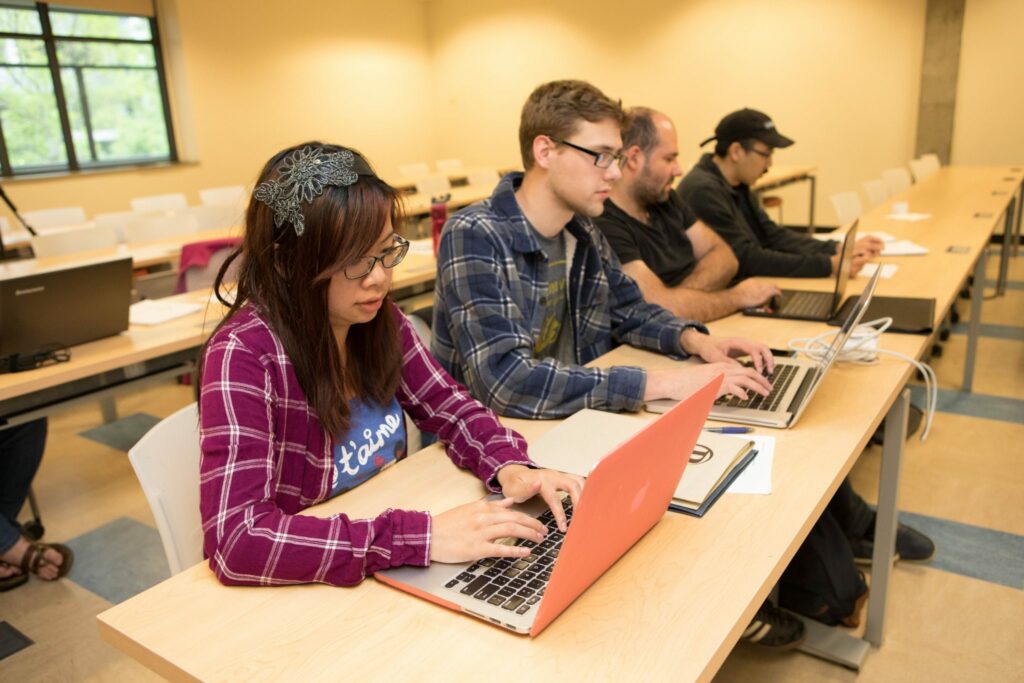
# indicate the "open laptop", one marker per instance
pixel 800 304
pixel 626 494
pixel 63 306
pixel 794 380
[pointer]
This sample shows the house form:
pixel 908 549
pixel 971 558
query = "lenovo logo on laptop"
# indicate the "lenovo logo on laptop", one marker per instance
pixel 30 290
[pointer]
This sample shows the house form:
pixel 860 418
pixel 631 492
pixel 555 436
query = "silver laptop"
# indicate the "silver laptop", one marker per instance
pixel 794 381
pixel 62 306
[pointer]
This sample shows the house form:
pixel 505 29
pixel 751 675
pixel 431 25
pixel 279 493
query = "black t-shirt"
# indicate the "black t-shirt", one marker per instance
pixel 663 245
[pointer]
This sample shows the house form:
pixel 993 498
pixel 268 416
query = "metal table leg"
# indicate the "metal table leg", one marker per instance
pixel 977 296
pixel 1008 239
pixel 884 557
pixel 810 220
pixel 1016 232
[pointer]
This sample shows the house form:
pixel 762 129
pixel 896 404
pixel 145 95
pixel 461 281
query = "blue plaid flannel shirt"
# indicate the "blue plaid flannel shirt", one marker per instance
pixel 489 306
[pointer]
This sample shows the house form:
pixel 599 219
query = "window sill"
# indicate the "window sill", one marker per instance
pixel 86 172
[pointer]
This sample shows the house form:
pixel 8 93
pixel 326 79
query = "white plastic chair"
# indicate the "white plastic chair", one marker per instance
pixel 921 169
pixel 73 241
pixel 214 216
pixel 154 228
pixel 448 166
pixel 876 190
pixel 160 202
pixel 414 171
pixel 897 180
pixel 166 461
pixel 202 278
pixel 483 177
pixel 433 185
pixel 118 220
pixel 54 218
pixel 847 206
pixel 232 195
pixel 931 162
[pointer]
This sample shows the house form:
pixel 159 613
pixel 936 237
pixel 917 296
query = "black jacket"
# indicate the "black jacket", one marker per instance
pixel 761 246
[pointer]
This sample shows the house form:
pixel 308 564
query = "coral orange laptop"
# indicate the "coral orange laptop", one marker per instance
pixel 625 495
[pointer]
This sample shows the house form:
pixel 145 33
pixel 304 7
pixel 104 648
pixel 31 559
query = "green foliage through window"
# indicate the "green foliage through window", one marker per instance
pixel 108 72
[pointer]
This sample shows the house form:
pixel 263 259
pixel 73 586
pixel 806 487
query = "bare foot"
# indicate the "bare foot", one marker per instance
pixel 47 569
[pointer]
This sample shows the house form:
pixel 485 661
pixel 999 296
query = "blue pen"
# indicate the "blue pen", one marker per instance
pixel 729 430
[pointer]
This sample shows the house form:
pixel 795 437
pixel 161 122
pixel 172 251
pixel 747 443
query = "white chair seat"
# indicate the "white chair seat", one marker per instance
pixel 166 461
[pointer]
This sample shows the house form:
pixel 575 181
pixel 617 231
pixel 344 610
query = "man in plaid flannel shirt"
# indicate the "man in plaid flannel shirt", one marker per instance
pixel 528 290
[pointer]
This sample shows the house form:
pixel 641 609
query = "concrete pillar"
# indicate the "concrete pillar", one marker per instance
pixel 944 22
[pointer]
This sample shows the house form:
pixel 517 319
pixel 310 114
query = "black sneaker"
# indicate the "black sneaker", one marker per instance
pixel 775 629
pixel 911 545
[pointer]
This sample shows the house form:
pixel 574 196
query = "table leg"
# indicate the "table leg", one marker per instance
pixel 977 297
pixel 1008 239
pixel 1016 232
pixel 810 220
pixel 884 558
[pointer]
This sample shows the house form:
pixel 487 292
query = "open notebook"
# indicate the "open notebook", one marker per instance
pixel 580 442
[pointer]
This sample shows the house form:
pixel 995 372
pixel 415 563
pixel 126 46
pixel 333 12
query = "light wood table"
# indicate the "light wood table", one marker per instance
pixel 780 176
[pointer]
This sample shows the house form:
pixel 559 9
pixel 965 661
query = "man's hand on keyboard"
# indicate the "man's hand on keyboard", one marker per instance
pixel 679 382
pixel 522 483
pixel 725 349
pixel 471 531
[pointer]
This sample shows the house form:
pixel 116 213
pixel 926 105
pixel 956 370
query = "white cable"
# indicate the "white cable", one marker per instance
pixel 862 349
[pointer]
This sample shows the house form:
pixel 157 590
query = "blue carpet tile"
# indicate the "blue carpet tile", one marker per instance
pixel 124 433
pixel 119 559
pixel 974 551
pixel 996 331
pixel 974 405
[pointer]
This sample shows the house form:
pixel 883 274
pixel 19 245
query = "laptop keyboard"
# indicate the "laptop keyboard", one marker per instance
pixel 780 378
pixel 515 583
pixel 808 304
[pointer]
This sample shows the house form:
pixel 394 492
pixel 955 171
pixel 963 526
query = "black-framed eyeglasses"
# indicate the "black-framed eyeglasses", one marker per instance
pixel 601 159
pixel 389 258
pixel 759 152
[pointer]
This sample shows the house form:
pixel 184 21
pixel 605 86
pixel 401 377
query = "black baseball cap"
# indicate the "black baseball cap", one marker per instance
pixel 746 124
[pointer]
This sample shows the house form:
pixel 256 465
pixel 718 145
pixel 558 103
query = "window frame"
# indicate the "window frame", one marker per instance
pixel 56 79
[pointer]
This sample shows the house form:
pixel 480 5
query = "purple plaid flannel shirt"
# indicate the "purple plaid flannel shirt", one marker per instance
pixel 266 458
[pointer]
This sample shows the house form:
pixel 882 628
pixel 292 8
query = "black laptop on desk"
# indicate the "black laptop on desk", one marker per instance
pixel 60 307
pixel 799 304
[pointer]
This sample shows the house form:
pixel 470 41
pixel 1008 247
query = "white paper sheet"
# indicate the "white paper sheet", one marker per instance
pixel 155 312
pixel 888 270
pixel 903 248
pixel 757 477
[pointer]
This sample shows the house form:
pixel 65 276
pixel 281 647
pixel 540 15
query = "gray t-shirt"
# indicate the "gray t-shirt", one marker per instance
pixel 555 339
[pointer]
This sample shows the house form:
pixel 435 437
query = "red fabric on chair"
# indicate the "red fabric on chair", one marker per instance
pixel 197 255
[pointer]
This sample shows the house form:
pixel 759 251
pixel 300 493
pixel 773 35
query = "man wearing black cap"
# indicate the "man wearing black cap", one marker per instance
pixel 717 189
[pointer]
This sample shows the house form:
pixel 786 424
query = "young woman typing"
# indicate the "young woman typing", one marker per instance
pixel 302 388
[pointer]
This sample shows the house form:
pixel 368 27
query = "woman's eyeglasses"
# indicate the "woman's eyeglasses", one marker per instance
pixel 389 258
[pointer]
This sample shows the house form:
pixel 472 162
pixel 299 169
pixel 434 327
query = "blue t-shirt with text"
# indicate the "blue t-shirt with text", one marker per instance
pixel 375 440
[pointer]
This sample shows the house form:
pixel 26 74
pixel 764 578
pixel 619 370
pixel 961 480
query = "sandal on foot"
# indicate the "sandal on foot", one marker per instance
pixel 12 581
pixel 33 558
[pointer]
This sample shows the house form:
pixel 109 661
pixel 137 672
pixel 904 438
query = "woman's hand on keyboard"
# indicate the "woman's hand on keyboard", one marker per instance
pixel 472 531
pixel 522 483
pixel 679 382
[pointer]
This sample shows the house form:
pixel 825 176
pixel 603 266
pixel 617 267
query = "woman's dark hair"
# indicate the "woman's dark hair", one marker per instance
pixel 287 276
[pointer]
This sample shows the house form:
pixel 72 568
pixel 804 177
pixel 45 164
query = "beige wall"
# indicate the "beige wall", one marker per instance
pixel 264 75
pixel 841 78
pixel 990 101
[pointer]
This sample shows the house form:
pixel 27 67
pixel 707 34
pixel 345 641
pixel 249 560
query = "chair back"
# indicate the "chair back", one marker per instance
pixel 155 228
pixel 73 241
pixel 174 201
pixel 231 195
pixel 118 220
pixel 214 216
pixel 919 169
pixel 447 166
pixel 897 180
pixel 847 206
pixel 876 191
pixel 414 171
pixel 166 461
pixel 433 185
pixel 196 274
pixel 54 218
pixel 931 162
pixel 483 177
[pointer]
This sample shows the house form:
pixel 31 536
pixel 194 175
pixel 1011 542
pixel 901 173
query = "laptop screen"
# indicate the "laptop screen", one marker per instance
pixel 851 322
pixel 845 262
pixel 64 306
